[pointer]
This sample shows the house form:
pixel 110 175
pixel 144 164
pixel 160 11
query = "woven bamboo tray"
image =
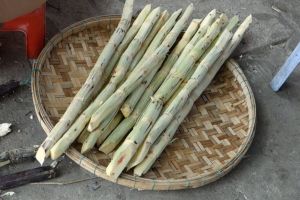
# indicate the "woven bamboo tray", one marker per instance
pixel 209 143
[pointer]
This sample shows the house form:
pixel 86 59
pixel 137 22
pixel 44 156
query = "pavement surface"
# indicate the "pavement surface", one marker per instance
pixel 271 168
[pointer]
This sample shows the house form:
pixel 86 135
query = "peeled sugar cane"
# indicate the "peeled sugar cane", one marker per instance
pixel 135 61
pixel 181 97
pixel 155 38
pixel 89 88
pixel 127 57
pixel 123 128
pixel 91 140
pixel 115 122
pixel 128 148
pixel 83 135
pixel 158 147
pixel 164 140
pixel 134 28
pixel 61 146
pixel 134 97
pixel 138 74
pixel 120 71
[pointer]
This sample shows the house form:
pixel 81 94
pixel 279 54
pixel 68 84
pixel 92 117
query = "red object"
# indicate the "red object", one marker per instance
pixel 33 27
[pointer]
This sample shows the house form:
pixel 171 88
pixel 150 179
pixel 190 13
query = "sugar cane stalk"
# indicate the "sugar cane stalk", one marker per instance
pixel 77 127
pixel 130 103
pixel 180 70
pixel 127 57
pixel 163 141
pixel 206 23
pixel 144 53
pixel 134 97
pixel 87 91
pixel 179 100
pixel 92 138
pixel 139 74
pixel 110 128
pixel 136 25
pixel 152 47
pixel 148 44
pixel 83 135
pixel 122 157
pixel 120 71
pixel 124 127
pixel 61 146
pixel 103 133
pixel 128 148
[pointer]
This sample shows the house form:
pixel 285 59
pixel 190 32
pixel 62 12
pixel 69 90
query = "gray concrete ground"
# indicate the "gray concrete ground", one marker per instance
pixel 271 169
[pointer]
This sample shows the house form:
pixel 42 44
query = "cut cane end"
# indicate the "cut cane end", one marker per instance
pixel 102 149
pixel 131 165
pixel 85 148
pixel 40 155
pixel 126 110
pixel 91 127
pixel 54 154
pixel 137 172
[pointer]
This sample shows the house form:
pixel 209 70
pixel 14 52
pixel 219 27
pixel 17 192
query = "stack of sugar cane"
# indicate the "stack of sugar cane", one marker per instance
pixel 139 91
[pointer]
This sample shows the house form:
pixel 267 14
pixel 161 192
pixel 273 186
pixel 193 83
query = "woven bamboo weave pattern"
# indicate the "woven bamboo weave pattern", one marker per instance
pixel 211 140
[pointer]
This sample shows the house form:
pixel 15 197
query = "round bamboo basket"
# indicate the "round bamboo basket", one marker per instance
pixel 209 143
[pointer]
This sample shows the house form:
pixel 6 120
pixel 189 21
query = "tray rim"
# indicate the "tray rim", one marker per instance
pixel 126 179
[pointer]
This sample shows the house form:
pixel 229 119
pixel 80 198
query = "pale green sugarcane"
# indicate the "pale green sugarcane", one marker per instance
pixel 138 155
pixel 206 23
pixel 158 147
pixel 120 132
pixel 181 96
pixel 118 118
pixel 232 24
pixel 124 127
pixel 83 135
pixel 136 25
pixel 121 48
pixel 84 118
pixel 91 140
pixel 102 132
pixel 127 57
pixel 109 89
pixel 134 97
pixel 152 47
pixel 154 41
pixel 90 87
pixel 179 71
pixel 116 136
pixel 130 103
pixel 61 146
pixel 164 140
pixel 69 137
pixel 129 147
pixel 138 74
